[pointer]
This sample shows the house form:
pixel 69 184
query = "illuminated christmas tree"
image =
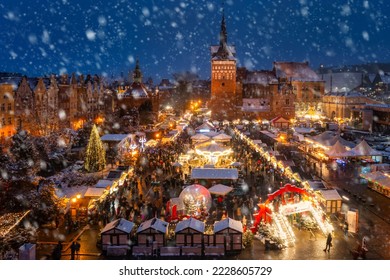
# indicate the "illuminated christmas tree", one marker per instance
pixel 95 159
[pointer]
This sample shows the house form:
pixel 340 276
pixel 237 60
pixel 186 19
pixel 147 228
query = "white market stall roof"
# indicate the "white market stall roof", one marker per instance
pixel 192 224
pixel 228 223
pixel 363 149
pixel 94 192
pixel 119 224
pixel 222 137
pixel 329 138
pixel 220 189
pixel 330 194
pixel 156 224
pixel 214 173
pixel 338 150
pixel 114 137
pixel 104 183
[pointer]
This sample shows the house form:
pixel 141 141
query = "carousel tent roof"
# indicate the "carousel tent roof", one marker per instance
pixel 228 223
pixel 190 223
pixel 114 137
pixel 222 137
pixel 363 149
pixel 212 134
pixel 119 224
pixel 205 126
pixel 330 194
pixel 220 189
pixel 200 137
pixel 104 184
pixel 212 148
pixel 94 192
pixel 214 173
pixel 156 224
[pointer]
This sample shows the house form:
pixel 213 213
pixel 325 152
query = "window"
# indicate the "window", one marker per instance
pixel 287 101
pixel 3 107
pixel 223 84
pixel 9 120
pixel 9 107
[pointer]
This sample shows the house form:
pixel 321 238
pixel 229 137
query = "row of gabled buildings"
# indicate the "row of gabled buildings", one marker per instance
pixel 43 105
pixel 47 104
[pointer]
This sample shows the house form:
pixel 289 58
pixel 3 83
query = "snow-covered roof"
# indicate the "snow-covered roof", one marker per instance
pixel 304 130
pixel 220 189
pixel 114 137
pixel 119 224
pixel 230 49
pixel 342 81
pixel 228 223
pixel 260 77
pixel 330 194
pixel 190 223
pixel 94 192
pixel 104 184
pixel 296 71
pixel 214 173
pixel 156 224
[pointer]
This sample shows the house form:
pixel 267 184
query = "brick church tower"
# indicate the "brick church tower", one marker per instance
pixel 224 99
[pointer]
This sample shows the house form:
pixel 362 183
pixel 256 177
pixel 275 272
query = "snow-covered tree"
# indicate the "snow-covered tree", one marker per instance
pixel 24 154
pixel 95 159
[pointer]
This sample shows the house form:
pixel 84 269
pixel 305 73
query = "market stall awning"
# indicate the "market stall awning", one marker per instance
pixel 94 192
pixel 214 173
pixel 220 189
pixel 104 183
pixel 119 224
pixel 156 224
pixel 114 137
pixel 330 194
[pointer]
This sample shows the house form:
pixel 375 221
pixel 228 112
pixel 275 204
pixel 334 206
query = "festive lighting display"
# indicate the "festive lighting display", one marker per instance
pixel 95 156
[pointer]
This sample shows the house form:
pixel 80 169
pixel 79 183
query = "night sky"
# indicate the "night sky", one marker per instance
pixel 39 37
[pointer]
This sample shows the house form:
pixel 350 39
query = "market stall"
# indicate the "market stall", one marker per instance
pixel 152 232
pixel 189 233
pixel 116 237
pixel 228 233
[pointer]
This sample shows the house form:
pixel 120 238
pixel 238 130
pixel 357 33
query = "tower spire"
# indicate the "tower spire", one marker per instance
pixel 223 33
pixel 137 74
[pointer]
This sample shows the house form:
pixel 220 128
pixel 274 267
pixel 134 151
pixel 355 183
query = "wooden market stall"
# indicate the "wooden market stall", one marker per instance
pixel 330 199
pixel 189 233
pixel 152 232
pixel 228 233
pixel 116 237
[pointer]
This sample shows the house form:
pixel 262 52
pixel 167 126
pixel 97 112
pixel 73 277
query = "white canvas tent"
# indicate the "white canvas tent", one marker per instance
pixel 363 149
pixel 338 150
pixel 200 137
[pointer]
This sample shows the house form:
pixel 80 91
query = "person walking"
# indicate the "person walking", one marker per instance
pixel 328 242
pixel 77 249
pixel 72 250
